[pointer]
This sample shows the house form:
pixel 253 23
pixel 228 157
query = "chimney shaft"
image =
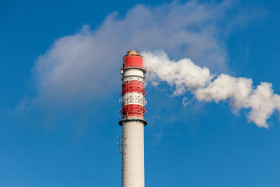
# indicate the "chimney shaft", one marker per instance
pixel 133 110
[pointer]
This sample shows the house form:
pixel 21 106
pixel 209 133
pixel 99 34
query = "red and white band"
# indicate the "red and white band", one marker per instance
pixel 133 98
pixel 133 78
pixel 133 72
pixel 133 111
pixel 133 86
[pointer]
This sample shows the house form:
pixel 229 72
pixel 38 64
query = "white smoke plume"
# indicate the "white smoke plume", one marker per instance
pixel 187 76
pixel 82 66
pixel 81 69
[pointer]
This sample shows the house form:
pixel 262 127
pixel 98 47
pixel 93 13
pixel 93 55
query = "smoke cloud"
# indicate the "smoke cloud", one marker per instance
pixel 187 76
pixel 82 66
pixel 81 69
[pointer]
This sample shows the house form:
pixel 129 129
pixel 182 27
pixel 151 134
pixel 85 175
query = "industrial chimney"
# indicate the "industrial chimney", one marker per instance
pixel 133 110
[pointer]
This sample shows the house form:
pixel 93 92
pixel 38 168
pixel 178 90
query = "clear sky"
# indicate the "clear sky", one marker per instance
pixel 59 104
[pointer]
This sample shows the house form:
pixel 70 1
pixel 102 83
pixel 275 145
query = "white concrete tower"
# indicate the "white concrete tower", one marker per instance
pixel 133 110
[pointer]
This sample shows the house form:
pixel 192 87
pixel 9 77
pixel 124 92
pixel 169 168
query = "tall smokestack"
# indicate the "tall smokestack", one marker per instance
pixel 133 110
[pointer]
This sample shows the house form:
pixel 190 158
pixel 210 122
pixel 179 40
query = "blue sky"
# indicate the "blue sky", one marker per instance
pixel 59 104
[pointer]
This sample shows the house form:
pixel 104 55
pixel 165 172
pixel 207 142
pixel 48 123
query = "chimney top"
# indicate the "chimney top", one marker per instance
pixel 132 52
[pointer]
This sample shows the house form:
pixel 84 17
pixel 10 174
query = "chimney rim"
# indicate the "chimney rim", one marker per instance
pixel 132 52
